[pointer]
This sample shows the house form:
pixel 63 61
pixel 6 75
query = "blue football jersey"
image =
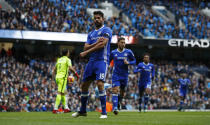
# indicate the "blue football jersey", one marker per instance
pixel 147 72
pixel 184 83
pixel 120 69
pixel 101 54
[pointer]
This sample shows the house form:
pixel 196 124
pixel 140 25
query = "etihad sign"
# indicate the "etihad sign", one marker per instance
pixel 202 43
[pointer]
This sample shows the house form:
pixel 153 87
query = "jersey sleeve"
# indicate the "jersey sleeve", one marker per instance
pixel 88 39
pixel 132 59
pixel 111 57
pixel 179 81
pixel 153 71
pixel 107 33
pixel 188 82
pixel 69 63
pixel 138 68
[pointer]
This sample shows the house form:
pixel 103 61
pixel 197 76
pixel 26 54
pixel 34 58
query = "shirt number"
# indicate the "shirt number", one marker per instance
pixel 101 76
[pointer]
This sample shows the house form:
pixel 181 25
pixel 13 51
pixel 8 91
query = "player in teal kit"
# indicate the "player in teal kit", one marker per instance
pixel 98 47
pixel 122 58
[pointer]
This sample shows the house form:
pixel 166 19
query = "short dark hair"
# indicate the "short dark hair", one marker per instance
pixel 99 13
pixel 64 52
pixel 121 38
pixel 146 54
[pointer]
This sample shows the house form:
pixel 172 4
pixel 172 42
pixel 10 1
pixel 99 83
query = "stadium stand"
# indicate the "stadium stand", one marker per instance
pixel 152 25
pixel 70 16
pixel 62 16
pixel 11 20
pixel 25 81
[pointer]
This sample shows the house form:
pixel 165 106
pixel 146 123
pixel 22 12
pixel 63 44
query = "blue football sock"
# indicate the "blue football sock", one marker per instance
pixel 181 103
pixel 84 98
pixel 140 101
pixel 146 100
pixel 102 96
pixel 115 101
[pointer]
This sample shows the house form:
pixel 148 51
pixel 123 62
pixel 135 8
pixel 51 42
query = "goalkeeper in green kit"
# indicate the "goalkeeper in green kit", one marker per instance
pixel 63 65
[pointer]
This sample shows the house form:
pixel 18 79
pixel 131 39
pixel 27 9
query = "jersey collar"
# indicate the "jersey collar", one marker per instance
pixel 145 64
pixel 99 28
pixel 122 51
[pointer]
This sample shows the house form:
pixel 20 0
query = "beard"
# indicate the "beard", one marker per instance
pixel 98 25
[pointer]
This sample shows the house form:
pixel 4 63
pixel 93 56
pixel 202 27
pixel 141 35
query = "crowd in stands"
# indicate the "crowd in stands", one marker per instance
pixel 11 20
pixel 71 16
pixel 61 16
pixel 197 25
pixel 28 86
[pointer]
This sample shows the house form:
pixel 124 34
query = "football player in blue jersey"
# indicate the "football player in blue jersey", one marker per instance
pixel 147 74
pixel 98 47
pixel 122 57
pixel 184 84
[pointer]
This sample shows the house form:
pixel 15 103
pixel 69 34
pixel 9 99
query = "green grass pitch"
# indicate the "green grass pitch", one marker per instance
pixel 123 118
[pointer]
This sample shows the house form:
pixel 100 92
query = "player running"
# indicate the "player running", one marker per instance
pixel 147 73
pixel 184 83
pixel 98 46
pixel 122 58
pixel 61 70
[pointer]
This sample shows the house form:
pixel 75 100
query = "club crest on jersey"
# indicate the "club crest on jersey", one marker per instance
pixel 125 54
pixel 115 55
pixel 150 67
pixel 99 33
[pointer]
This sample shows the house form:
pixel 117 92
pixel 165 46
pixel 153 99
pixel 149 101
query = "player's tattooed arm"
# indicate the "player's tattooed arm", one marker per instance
pixel 88 46
pixel 100 45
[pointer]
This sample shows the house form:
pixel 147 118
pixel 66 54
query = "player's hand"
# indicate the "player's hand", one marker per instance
pixel 100 39
pixel 83 54
pixel 126 61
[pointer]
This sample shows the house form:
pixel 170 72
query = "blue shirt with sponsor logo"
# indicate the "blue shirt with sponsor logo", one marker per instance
pixel 101 54
pixel 120 68
pixel 147 72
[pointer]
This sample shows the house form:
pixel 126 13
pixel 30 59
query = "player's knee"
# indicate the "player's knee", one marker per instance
pixel 59 93
pixel 181 98
pixel 100 85
pixel 122 88
pixel 148 91
pixel 63 94
pixel 84 88
pixel 115 90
